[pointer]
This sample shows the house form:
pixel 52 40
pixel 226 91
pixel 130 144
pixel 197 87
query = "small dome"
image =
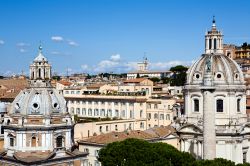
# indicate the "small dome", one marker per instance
pixel 224 70
pixel 3 107
pixel 40 58
pixel 39 101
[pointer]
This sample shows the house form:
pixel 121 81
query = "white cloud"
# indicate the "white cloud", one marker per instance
pixel 115 57
pixel 85 67
pixel 54 52
pixel 168 64
pixel 72 43
pixel 22 44
pixel 57 38
pixel 22 50
pixel 1 42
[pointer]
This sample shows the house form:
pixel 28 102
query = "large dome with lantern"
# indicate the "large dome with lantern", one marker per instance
pixel 40 98
pixel 223 70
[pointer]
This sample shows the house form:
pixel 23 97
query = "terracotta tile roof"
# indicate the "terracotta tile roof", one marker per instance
pixel 161 131
pixel 118 136
pixel 94 86
pixel 13 87
pixel 136 80
pixel 32 156
pixel 10 95
pixel 65 83
pixel 150 134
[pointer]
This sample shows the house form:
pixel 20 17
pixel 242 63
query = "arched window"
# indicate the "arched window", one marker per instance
pixel 33 142
pixel 109 113
pixel 141 113
pixel 96 112
pixel 215 44
pixel 59 141
pixel 155 116
pixel 90 112
pixel 117 113
pixel 72 110
pixel 39 73
pixel 102 112
pixel 33 75
pixel 210 43
pixel 238 105
pixel 219 105
pixel 11 140
pixel 196 105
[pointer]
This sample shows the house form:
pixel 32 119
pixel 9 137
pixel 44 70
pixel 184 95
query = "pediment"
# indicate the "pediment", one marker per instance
pixel 190 128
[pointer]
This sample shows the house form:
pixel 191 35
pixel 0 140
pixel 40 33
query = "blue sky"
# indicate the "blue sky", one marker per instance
pixel 112 35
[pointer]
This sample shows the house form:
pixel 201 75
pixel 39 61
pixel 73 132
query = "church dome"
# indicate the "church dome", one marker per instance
pixel 213 67
pixel 39 101
pixel 224 70
pixel 40 98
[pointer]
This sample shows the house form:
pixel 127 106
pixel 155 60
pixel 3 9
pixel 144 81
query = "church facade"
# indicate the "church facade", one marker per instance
pixel 39 130
pixel 215 123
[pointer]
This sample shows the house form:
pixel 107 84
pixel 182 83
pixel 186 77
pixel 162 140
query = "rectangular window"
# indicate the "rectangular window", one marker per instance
pixel 244 157
pixel 149 115
pixel 161 116
pixel 219 105
pixel 11 141
pixel 238 105
pixel 78 110
pixel 84 111
pixel 196 105
pixel 141 112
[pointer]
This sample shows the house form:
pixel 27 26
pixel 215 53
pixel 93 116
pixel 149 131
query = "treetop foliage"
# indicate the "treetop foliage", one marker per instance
pixel 135 152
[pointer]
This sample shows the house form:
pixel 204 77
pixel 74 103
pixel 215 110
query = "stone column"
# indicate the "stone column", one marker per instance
pixel 209 136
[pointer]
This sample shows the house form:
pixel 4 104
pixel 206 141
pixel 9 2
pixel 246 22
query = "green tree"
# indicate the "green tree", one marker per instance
pixel 155 79
pixel 165 80
pixel 179 75
pixel 133 152
pixel 244 45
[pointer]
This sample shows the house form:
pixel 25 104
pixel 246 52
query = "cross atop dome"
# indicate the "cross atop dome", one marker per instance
pixel 214 25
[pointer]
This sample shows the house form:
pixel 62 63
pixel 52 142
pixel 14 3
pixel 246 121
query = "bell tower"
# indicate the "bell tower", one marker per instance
pixel 40 70
pixel 213 40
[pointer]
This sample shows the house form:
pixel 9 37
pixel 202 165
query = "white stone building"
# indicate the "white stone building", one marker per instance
pixel 215 122
pixel 38 128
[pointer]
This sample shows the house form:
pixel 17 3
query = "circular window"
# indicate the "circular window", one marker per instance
pixel 35 105
pixel 197 76
pixel 218 75
pixel 55 105
pixel 51 92
pixel 17 106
